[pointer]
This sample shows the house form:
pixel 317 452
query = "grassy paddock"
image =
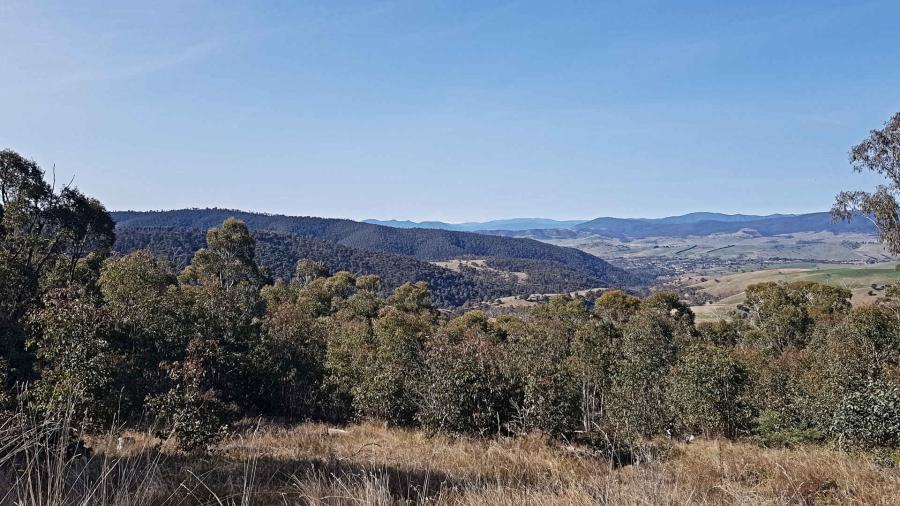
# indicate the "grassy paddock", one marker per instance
pixel 369 464
pixel 729 289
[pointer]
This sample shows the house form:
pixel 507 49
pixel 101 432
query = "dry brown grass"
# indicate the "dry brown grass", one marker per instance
pixel 369 464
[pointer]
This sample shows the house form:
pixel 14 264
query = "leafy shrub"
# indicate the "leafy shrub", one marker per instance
pixel 870 418
pixel 388 380
pixel 541 351
pixel 465 388
pixel 551 403
pixel 197 418
pixel 289 361
pixel 638 403
pixel 774 431
pixel 706 391
pixel 78 362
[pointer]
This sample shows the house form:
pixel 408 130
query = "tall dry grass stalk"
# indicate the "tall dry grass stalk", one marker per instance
pixel 42 464
pixel 44 461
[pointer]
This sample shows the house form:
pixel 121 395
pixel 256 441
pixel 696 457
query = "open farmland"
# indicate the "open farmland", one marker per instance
pixel 866 283
pixel 729 253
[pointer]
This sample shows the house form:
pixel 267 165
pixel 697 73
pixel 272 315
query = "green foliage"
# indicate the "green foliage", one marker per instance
pixel 221 341
pixel 151 319
pixel 48 239
pixel 466 388
pixel 369 283
pixel 864 345
pixel 551 356
pixel 350 344
pixel 879 153
pixel 77 361
pixel 125 335
pixel 291 361
pixel 217 370
pixel 411 297
pixel 784 315
pixel 190 411
pixel 393 370
pixel 637 402
pixel 667 303
pixel 228 260
pixel 721 332
pixel 214 344
pixel 870 418
pixel 774 431
pixel 308 270
pixel 863 348
pixel 706 392
pixel 783 388
pixel 616 306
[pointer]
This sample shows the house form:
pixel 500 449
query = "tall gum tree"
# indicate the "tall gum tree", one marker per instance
pixel 879 153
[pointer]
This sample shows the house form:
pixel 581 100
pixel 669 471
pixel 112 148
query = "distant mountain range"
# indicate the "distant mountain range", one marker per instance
pixel 397 255
pixel 518 224
pixel 475 226
pixel 702 216
pixel 692 224
pixel 763 225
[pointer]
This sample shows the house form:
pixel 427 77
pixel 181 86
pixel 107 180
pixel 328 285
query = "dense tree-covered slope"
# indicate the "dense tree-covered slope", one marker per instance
pixel 279 253
pixel 423 244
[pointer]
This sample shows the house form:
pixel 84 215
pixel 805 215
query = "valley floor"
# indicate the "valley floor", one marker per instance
pixel 368 464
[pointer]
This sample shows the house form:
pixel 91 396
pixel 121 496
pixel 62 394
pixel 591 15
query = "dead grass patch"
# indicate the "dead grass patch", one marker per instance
pixel 373 465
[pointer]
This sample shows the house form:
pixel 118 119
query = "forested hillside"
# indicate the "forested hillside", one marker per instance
pixel 280 252
pixel 424 244
pixel 582 268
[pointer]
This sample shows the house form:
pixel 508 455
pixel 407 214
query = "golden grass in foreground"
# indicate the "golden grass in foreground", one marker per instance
pixel 367 464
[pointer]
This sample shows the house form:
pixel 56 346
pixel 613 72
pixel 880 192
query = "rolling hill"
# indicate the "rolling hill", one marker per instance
pixel 697 224
pixel 724 224
pixel 397 255
pixel 280 252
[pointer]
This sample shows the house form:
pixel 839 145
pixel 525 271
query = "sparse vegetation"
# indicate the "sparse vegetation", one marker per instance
pixel 368 464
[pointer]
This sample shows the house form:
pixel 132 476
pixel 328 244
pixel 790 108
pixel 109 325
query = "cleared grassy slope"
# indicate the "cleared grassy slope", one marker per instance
pixel 729 289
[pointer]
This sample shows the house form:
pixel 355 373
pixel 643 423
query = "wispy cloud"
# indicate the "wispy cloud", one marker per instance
pixel 828 119
pixel 138 69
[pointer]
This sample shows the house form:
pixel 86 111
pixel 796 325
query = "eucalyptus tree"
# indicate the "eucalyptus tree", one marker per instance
pixel 50 238
pixel 218 377
pixel 878 153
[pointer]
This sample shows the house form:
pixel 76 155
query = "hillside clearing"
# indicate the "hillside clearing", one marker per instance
pixel 481 265
pixel 728 290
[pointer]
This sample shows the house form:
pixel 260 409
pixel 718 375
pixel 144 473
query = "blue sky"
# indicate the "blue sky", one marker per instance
pixel 451 110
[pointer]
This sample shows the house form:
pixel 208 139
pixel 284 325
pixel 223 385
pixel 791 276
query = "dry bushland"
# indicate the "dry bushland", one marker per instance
pixel 369 464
